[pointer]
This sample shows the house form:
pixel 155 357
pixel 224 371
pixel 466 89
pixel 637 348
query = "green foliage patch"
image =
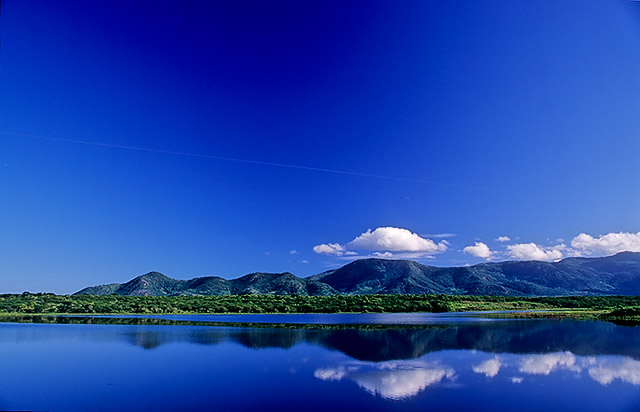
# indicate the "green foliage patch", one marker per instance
pixel 45 303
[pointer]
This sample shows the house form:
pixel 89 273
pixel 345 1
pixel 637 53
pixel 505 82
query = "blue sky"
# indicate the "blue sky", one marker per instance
pixel 206 138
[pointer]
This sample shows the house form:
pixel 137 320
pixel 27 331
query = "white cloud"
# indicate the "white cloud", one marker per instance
pixel 330 249
pixel 547 363
pixel 503 239
pixel 304 261
pixel 440 235
pixel 610 243
pixel 517 379
pixel 489 368
pixel 383 255
pixel 394 239
pixel 386 242
pixel 389 255
pixel 531 251
pixel 293 252
pixel 480 250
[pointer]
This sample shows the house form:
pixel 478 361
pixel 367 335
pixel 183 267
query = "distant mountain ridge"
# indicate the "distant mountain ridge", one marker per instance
pixel 612 275
pixel 157 284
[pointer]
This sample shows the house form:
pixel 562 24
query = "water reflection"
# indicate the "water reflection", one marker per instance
pixel 547 363
pixel 379 345
pixel 398 380
pixel 489 368
pixel 482 366
pixel 390 380
pixel 606 371
pixel 602 369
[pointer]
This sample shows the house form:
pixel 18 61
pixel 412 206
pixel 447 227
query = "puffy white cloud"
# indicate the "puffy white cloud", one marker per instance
pixel 610 243
pixel 489 368
pixel 480 250
pixel 625 369
pixel 531 251
pixel 330 249
pixel 394 239
pixel 503 239
pixel 293 252
pixel 386 242
pixel 547 363
pixel 517 379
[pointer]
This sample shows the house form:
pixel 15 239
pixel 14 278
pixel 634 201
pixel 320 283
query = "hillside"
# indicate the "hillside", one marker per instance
pixel 157 284
pixel 612 275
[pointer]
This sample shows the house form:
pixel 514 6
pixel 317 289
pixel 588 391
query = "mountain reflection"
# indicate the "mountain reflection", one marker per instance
pixel 484 365
pixel 400 363
pixel 380 345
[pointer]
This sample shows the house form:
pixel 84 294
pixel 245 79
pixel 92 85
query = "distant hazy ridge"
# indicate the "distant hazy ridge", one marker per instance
pixel 613 275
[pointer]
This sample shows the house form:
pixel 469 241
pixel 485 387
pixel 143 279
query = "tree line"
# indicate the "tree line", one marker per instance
pixel 47 303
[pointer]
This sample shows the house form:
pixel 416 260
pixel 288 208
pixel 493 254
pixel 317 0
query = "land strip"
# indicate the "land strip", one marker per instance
pixel 580 307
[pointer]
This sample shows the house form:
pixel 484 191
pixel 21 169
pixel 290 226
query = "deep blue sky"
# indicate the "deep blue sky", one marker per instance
pixel 503 118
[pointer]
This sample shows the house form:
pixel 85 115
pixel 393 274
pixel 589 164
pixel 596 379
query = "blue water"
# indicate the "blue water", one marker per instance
pixel 339 318
pixel 446 365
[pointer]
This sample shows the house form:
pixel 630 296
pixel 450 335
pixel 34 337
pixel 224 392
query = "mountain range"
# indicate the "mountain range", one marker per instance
pixel 612 275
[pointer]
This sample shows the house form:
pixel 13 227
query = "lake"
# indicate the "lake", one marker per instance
pixel 403 362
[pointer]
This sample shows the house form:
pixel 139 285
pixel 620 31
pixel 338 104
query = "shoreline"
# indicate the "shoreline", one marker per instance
pixel 161 318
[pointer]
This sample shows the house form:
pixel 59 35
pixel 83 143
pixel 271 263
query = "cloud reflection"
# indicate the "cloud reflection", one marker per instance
pixel 390 380
pixel 607 370
pixel 547 363
pixel 489 368
pixel 602 369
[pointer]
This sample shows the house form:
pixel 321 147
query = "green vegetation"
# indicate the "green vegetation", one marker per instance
pixel 622 307
pixel 155 321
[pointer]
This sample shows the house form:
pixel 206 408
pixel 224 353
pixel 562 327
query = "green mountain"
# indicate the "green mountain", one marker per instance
pixel 612 275
pixel 157 284
pixel 618 274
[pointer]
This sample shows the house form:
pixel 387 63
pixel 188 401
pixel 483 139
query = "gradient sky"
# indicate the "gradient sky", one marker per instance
pixel 457 122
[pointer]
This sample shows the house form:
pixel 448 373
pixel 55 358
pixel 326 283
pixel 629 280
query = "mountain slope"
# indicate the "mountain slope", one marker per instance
pixel 157 284
pixel 612 275
pixel 618 274
pixel 279 284
pixel 369 276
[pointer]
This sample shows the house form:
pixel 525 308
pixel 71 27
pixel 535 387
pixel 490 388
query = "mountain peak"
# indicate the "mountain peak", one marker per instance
pixel 154 275
pixel 618 274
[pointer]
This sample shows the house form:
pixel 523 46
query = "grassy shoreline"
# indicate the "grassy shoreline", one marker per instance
pixel 137 319
pixel 575 307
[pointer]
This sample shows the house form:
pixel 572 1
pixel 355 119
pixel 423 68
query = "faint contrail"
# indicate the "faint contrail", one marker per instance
pixel 231 159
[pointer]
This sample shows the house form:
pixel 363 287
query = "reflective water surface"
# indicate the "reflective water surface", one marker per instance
pixel 450 363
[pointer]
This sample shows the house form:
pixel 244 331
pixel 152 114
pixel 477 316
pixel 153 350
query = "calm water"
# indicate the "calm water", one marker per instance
pixel 425 362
